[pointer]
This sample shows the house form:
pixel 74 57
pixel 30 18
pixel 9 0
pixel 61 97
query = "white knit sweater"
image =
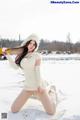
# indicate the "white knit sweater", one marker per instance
pixel 31 72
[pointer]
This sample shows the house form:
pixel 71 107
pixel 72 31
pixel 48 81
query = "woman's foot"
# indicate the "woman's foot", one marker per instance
pixel 53 94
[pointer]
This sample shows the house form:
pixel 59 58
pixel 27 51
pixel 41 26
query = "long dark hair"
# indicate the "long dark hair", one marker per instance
pixel 24 52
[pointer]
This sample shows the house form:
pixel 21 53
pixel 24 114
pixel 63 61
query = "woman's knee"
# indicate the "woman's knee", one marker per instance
pixel 14 109
pixel 52 111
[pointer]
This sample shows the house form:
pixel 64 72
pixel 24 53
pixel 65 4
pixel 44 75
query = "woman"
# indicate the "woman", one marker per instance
pixel 29 60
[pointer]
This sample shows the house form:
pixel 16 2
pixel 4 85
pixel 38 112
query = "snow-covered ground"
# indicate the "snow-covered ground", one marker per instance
pixel 63 73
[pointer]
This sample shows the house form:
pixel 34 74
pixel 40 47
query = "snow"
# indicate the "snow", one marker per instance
pixel 64 74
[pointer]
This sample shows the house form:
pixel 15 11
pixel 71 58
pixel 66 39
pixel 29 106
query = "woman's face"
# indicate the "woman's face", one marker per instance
pixel 31 46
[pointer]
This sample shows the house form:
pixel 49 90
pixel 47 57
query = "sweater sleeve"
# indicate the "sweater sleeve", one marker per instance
pixel 38 75
pixel 11 62
pixel 38 71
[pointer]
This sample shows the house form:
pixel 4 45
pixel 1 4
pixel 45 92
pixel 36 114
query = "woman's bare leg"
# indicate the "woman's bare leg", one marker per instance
pixel 53 94
pixel 20 100
pixel 48 104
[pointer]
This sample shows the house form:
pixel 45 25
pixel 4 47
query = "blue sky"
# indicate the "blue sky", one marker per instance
pixel 49 21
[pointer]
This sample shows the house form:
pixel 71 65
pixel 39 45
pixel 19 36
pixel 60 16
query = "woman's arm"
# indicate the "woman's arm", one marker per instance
pixel 11 51
pixel 12 62
pixel 37 70
pixel 38 76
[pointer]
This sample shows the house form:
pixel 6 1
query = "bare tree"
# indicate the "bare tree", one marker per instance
pixel 68 43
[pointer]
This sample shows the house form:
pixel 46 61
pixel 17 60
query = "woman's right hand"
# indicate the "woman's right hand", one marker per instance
pixel 40 90
pixel 6 51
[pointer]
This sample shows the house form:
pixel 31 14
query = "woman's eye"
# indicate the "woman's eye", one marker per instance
pixel 33 44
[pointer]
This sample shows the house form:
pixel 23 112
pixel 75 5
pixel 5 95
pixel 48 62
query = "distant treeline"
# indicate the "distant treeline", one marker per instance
pixel 46 45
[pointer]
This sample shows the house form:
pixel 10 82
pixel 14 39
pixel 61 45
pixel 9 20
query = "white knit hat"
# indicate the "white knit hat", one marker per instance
pixel 31 37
